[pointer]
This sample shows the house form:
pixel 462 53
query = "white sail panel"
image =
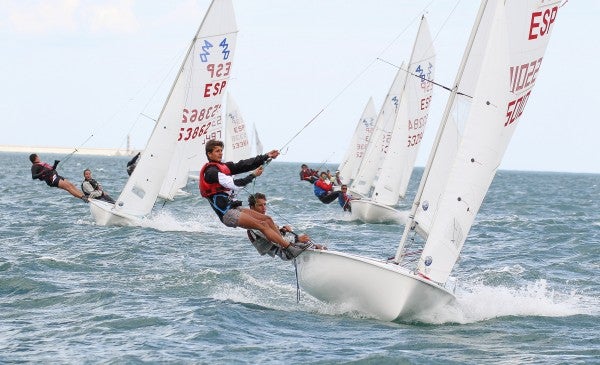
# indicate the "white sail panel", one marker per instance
pixel 185 107
pixel 258 146
pixel 407 134
pixel 444 151
pixel 237 146
pixel 200 91
pixel 380 137
pixel 359 142
pixel 496 107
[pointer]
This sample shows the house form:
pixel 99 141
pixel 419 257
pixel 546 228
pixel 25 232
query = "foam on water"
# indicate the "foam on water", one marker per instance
pixel 479 302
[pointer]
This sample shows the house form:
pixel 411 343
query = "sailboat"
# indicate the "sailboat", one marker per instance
pixel 236 143
pixel 191 115
pixel 399 148
pixel 358 144
pixel 496 76
pixel 258 146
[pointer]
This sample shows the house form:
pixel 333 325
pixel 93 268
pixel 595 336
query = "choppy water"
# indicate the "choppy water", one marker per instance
pixel 186 289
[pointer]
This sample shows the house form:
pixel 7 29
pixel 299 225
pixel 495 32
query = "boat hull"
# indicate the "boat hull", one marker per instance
pixel 369 211
pixel 104 215
pixel 379 289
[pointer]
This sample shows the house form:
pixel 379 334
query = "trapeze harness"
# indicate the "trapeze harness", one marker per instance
pixel 47 173
pixel 93 183
pixel 216 194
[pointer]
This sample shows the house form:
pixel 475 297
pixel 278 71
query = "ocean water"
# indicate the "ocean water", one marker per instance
pixel 186 289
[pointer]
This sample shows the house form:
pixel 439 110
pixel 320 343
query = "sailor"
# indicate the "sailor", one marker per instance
pixel 323 189
pixel 308 174
pixel 92 189
pixel 218 186
pixel 344 199
pixel 298 242
pixel 44 172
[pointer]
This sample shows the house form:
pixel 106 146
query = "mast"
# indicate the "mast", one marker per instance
pixel 410 224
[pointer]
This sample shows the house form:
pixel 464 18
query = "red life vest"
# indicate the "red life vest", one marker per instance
pixel 47 171
pixel 209 189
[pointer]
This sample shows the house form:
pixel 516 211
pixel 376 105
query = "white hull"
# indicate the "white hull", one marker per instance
pixel 383 290
pixel 104 215
pixel 369 211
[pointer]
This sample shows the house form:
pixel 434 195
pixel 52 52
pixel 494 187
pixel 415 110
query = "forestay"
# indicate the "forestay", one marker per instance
pixel 499 70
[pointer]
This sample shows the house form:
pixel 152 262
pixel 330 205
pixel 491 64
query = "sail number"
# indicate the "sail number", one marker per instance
pixel 195 115
pixel 414 139
pixel 219 70
pixel 416 124
pixel 515 108
pixel 213 135
pixel 190 133
pixel 523 76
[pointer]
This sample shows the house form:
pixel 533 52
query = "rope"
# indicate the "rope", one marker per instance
pixel 357 76
pixel 424 79
pixel 67 157
pixel 297 282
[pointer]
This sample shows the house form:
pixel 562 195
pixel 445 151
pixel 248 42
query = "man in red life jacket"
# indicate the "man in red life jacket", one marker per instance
pixel 218 186
pixel 307 174
pixel 323 189
pixel 43 171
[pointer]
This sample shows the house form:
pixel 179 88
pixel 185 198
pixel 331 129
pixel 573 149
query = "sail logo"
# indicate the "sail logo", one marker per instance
pixel 541 21
pixel 205 51
pixel 225 47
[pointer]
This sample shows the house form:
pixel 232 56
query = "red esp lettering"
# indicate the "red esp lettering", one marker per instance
pixel 548 17
pixel 214 89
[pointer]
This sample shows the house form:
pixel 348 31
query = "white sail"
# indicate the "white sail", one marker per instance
pixel 258 146
pixel 511 59
pixel 458 106
pixel 190 116
pixel 199 92
pixel 237 146
pixel 358 144
pixel 399 160
pixel 380 137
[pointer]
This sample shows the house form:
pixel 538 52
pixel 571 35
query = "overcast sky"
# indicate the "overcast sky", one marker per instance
pixel 72 69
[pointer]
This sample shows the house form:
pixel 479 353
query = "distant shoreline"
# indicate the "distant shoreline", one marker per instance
pixel 67 150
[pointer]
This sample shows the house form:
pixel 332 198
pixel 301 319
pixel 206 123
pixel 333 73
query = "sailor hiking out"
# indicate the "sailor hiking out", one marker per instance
pixel 218 186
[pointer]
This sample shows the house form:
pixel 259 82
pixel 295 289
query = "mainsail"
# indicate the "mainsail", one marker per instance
pixel 197 103
pixel 359 142
pixel 380 137
pixel 236 144
pixel 190 116
pixel 498 72
pixel 401 153
pixel 399 129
